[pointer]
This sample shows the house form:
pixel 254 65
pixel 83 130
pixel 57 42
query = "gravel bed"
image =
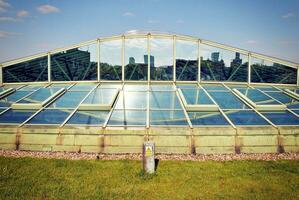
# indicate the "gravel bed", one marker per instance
pixel 96 156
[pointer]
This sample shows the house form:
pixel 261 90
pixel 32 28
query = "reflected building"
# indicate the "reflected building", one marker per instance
pixel 152 60
pixel 215 56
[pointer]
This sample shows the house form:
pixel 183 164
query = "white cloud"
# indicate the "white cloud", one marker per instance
pixel 4 34
pixel 252 42
pixel 7 19
pixel 128 14
pixel 4 5
pixel 180 21
pixel 22 13
pixel 151 21
pixel 288 15
pixel 46 9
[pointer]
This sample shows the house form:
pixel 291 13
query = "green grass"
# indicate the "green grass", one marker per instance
pixel 32 178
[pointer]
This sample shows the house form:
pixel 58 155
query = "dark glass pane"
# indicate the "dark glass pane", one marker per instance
pixel 75 64
pixel 136 63
pixel 245 118
pixel 196 96
pixel 263 71
pixel 127 118
pixel 164 100
pixel 110 58
pixel 89 118
pixel 186 60
pixel 227 100
pixel 168 118
pixel 12 98
pixel 50 116
pixel 29 71
pixel 161 59
pixel 282 118
pixel 15 116
pixel 207 118
pixel 223 65
pixel 69 100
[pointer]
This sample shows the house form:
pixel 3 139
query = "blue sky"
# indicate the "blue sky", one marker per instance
pixel 265 26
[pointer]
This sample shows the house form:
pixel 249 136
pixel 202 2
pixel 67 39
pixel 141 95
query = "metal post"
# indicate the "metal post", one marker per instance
pixel 199 61
pixel 174 58
pixel 1 75
pixel 49 67
pixel 297 75
pixel 249 69
pixel 98 58
pixel 149 157
pixel 123 59
pixel 148 58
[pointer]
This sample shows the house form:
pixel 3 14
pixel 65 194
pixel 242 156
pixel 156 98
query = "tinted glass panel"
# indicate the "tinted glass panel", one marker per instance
pixel 89 118
pixel 227 100
pixel 69 100
pixel 164 100
pixel 132 100
pixel 186 60
pixel 101 96
pixel 39 96
pixel 282 118
pixel 15 116
pixel 14 97
pixel 196 97
pixel 83 87
pixel 110 58
pixel 161 59
pixel 223 65
pixel 50 116
pixel 127 118
pixel 29 71
pixel 245 117
pixel 207 118
pixel 258 97
pixel 263 71
pixel 75 64
pixel 168 118
pixel 136 59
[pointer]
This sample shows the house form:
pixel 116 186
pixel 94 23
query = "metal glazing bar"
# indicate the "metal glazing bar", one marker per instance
pixel 99 60
pixel 148 107
pixel 220 110
pixel 298 75
pixel 249 69
pixel 182 105
pixel 1 75
pixel 174 57
pixel 49 68
pixel 199 61
pixel 123 58
pixel 148 58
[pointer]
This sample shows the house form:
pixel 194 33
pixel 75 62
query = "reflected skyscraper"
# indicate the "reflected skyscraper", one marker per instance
pixel 152 60
pixel 215 56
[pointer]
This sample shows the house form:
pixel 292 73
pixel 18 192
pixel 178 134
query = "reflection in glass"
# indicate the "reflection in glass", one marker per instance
pixel 263 71
pixel 75 64
pixel 186 60
pixel 223 65
pixel 245 118
pixel 89 118
pixel 127 118
pixel 227 100
pixel 132 100
pixel 207 118
pixel 69 100
pixel 136 59
pixel 282 118
pixel 50 116
pixel 164 100
pixel 110 60
pixel 168 117
pixel 161 59
pixel 28 71
pixel 197 96
pixel 15 116
pixel 12 98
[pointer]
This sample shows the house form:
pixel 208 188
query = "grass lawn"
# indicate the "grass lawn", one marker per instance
pixel 32 178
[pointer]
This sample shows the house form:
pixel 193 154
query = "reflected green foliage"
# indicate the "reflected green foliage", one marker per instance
pixel 273 73
pixel 136 71
pixel 186 70
pixel 110 72
pixel 29 71
pixel 163 73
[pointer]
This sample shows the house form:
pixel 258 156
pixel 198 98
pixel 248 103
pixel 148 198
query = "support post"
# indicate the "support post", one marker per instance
pixel 149 157
pixel 199 61
pixel 174 57
pixel 148 58
pixel 249 69
pixel 298 75
pixel 98 59
pixel 1 75
pixel 49 67
pixel 123 59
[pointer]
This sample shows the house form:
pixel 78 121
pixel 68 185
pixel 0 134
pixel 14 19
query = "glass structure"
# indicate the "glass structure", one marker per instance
pixel 150 79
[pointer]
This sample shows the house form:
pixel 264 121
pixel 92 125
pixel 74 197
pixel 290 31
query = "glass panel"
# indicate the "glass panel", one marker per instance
pixel 207 118
pixel 75 64
pixel 196 97
pixel 280 96
pixel 12 98
pixel 263 71
pixel 187 86
pixel 50 116
pixel 132 100
pixel 282 118
pixel 83 87
pixel 31 87
pixel 100 96
pixel 69 100
pixel 223 65
pixel 39 96
pixel 168 118
pixel 162 87
pixel 110 85
pixel 110 58
pixel 161 59
pixel 29 71
pixel 136 59
pixel 186 60
pixel 15 116
pixel 294 105
pixel 213 87
pixel 164 100
pixel 266 88
pixel 245 118
pixel 258 97
pixel 227 100
pixel 89 118
pixel 129 87
pixel 296 111
pixel 59 86
pixel 127 118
